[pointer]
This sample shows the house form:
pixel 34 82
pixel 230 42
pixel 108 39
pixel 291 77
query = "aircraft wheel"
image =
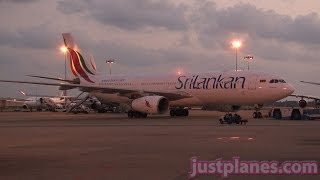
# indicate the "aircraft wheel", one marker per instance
pixel 136 114
pixel 255 115
pixel 296 115
pixel 172 112
pixel 185 112
pixel 130 114
pixel 144 115
pixel 259 114
pixel 277 114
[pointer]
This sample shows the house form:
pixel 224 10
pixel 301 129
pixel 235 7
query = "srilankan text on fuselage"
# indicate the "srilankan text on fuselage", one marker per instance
pixel 216 82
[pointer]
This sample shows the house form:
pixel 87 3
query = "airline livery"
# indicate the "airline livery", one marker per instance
pixel 157 94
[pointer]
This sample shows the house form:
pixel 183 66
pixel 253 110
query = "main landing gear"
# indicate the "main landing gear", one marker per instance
pixel 257 115
pixel 179 112
pixel 136 114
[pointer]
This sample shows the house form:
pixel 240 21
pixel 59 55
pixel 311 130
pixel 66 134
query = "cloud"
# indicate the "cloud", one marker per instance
pixel 245 19
pixel 129 14
pixel 17 1
pixel 33 37
pixel 266 34
pixel 72 6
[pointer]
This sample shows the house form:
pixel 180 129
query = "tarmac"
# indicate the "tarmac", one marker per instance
pixel 48 145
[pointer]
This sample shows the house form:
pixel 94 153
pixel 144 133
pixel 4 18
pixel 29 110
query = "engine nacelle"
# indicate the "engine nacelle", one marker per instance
pixel 151 104
pixel 222 108
pixel 302 103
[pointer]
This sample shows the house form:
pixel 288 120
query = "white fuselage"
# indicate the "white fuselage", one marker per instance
pixel 230 87
pixel 43 102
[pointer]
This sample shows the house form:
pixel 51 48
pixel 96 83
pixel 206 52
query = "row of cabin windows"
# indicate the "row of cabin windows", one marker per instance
pixel 127 84
pixel 112 80
pixel 117 84
pixel 277 81
pixel 158 83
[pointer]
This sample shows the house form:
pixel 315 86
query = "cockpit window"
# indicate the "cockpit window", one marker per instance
pixel 276 81
pixel 262 80
pixel 282 81
pixel 271 81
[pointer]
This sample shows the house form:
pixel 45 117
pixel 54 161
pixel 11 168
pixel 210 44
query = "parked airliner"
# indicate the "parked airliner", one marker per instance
pixel 157 94
pixel 40 102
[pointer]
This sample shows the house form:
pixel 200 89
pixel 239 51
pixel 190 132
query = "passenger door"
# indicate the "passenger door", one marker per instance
pixel 253 82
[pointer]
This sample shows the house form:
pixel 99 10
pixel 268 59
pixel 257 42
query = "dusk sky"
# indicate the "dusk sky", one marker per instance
pixel 158 36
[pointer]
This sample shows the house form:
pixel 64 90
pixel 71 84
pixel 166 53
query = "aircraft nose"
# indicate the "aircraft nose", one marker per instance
pixel 289 89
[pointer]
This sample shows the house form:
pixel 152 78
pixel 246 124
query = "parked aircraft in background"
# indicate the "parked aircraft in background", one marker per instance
pixel 156 94
pixel 303 103
pixel 40 102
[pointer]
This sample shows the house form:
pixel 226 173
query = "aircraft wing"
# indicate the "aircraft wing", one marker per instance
pixel 48 96
pixel 53 78
pixel 307 82
pixel 35 95
pixel 18 101
pixel 305 96
pixel 71 86
pixel 172 95
pixel 87 88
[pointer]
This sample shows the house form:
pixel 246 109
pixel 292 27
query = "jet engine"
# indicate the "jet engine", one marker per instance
pixel 222 108
pixel 302 103
pixel 151 104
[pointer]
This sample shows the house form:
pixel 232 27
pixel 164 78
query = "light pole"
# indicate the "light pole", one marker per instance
pixel 236 44
pixel 64 50
pixel 110 62
pixel 248 58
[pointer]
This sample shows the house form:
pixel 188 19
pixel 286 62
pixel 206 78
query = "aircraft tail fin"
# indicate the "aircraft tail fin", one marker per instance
pixel 79 66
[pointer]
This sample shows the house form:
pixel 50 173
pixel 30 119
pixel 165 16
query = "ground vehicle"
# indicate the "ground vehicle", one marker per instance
pixel 229 118
pixel 311 113
pixel 108 108
pixel 286 113
pixel 81 109
pixel 60 109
